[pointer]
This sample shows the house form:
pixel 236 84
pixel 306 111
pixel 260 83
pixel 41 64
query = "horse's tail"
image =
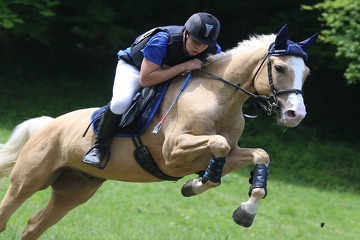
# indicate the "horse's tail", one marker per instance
pixel 9 151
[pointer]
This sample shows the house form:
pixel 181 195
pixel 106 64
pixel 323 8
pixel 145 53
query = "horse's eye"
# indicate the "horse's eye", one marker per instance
pixel 279 69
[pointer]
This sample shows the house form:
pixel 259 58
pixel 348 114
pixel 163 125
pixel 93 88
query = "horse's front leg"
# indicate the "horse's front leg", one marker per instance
pixel 236 159
pixel 245 214
pixel 189 148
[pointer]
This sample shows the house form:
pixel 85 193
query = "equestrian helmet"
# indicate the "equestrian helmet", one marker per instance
pixel 203 28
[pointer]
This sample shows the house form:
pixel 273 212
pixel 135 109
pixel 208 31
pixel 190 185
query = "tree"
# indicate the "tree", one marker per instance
pixel 23 21
pixel 341 19
pixel 35 33
pixel 18 12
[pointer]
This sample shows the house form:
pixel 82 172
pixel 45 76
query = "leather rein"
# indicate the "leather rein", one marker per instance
pixel 266 103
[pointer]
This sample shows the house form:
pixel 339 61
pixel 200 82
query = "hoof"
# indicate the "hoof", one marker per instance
pixel 187 189
pixel 243 218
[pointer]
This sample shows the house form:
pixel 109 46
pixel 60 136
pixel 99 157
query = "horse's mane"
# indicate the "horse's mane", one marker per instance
pixel 253 41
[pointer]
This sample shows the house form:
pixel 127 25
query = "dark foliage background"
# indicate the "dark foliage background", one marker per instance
pixel 72 54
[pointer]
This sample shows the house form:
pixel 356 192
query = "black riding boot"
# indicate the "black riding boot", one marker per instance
pixel 108 125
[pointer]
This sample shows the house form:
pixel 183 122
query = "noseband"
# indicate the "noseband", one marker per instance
pixel 266 103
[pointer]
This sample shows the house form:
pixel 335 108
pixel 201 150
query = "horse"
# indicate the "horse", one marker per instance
pixel 200 135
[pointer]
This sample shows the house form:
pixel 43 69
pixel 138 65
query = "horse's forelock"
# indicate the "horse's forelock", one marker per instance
pixel 253 41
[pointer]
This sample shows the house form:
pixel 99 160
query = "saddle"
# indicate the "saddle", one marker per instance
pixel 137 118
pixel 135 121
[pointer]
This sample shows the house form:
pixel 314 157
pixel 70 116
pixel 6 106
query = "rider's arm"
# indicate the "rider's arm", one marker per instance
pixel 151 72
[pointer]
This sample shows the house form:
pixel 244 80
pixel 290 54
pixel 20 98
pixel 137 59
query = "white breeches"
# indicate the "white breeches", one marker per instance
pixel 126 85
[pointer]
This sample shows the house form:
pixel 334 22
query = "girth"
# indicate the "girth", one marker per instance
pixel 147 162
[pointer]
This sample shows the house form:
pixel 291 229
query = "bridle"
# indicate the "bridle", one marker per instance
pixel 266 103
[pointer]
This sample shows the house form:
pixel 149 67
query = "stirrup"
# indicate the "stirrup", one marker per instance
pixel 106 152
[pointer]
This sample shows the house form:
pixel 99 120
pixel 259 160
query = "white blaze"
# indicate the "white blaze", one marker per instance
pixel 295 102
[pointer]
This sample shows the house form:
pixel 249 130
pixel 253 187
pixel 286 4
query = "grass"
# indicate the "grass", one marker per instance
pixel 308 185
pixel 158 211
pixel 311 181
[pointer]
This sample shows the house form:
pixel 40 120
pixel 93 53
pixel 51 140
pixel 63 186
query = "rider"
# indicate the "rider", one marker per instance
pixel 156 56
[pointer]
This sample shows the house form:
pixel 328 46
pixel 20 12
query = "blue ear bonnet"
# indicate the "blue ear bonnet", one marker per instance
pixel 282 46
pixel 291 48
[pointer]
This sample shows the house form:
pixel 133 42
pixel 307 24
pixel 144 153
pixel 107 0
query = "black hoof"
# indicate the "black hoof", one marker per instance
pixel 187 190
pixel 243 218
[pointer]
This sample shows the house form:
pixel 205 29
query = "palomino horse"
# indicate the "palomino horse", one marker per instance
pixel 205 124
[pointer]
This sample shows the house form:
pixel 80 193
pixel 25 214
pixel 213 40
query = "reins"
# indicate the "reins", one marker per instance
pixel 237 87
pixel 266 103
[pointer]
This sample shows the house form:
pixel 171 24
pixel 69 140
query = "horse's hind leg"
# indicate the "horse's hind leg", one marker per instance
pixel 68 191
pixel 22 186
pixel 11 201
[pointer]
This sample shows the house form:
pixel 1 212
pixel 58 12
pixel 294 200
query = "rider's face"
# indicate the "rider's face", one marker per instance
pixel 193 47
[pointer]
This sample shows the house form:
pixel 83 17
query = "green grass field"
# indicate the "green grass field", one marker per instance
pixel 297 203
pixel 158 211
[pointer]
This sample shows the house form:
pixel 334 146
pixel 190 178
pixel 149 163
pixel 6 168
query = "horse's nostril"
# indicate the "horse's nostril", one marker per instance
pixel 290 114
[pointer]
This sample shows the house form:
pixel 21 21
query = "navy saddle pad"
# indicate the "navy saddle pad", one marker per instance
pixel 137 118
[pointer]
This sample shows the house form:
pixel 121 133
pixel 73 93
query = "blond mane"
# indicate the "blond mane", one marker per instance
pixel 253 41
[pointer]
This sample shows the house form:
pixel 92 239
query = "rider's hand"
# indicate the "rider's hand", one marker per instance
pixel 194 64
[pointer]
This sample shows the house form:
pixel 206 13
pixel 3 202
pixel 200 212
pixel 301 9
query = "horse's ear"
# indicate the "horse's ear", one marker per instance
pixel 306 44
pixel 281 38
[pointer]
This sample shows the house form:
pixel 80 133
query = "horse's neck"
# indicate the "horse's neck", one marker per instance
pixel 243 67
pixel 238 68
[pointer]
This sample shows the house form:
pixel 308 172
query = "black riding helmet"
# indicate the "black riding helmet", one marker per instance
pixel 203 28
